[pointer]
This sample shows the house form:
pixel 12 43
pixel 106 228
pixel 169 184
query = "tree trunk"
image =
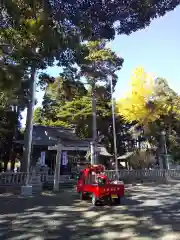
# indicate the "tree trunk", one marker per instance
pixel 13 159
pixel 25 163
pixel 12 153
pixel 5 166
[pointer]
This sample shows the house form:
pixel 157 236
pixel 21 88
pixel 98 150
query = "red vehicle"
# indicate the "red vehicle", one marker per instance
pixel 93 183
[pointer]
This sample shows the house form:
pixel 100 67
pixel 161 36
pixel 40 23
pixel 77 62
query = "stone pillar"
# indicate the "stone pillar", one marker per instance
pixel 36 179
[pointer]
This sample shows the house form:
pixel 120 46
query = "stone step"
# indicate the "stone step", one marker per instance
pixel 36 188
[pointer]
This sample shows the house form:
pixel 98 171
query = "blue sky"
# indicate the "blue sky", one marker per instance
pixel 155 48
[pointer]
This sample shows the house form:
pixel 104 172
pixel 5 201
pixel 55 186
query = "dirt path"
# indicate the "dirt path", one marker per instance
pixel 149 213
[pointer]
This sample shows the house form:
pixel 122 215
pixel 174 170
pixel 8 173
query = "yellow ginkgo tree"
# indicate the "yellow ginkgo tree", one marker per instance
pixel 153 106
pixel 139 104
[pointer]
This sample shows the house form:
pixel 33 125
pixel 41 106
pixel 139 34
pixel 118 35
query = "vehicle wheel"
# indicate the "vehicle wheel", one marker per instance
pixel 94 200
pixel 117 200
pixel 109 200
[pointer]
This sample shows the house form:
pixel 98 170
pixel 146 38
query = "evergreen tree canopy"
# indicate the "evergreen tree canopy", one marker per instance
pixel 101 19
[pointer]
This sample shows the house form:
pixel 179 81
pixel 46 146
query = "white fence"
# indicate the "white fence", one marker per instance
pixel 8 178
pixel 19 178
pixel 154 175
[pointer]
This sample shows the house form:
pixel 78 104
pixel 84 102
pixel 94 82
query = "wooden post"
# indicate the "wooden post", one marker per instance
pixel 57 168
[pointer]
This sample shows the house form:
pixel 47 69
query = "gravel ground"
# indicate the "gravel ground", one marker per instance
pixel 148 212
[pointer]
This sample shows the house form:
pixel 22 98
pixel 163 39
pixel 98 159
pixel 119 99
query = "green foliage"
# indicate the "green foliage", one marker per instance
pixel 79 114
pixel 100 63
pixel 9 126
pixel 163 113
pixel 30 37
pixel 68 101
pixel 76 111
pixel 37 116
pixel 36 33
pixel 101 19
pixel 168 101
pixel 39 32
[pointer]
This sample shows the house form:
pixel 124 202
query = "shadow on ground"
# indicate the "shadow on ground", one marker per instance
pixel 149 212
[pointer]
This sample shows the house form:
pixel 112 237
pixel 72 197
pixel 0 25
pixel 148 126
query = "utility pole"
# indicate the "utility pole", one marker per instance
pixel 94 127
pixel 114 129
